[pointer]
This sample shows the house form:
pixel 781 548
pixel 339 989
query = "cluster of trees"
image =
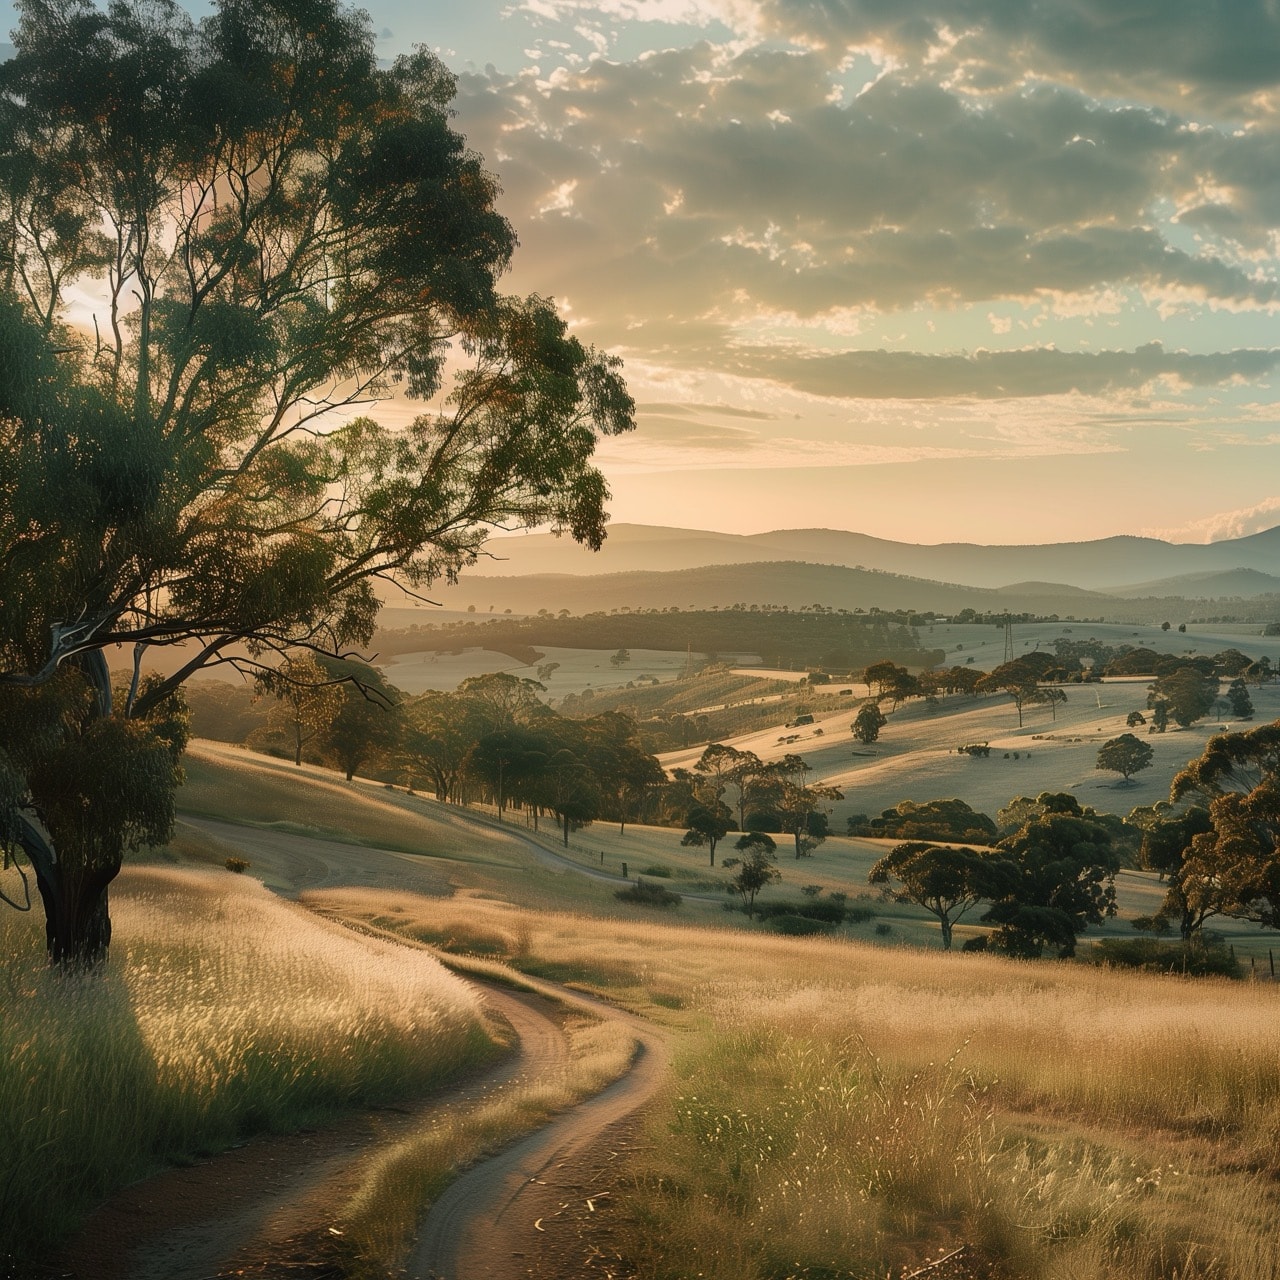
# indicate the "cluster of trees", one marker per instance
pixel 1217 840
pixel 494 739
pixel 827 639
pixel 768 797
pixel 1045 882
pixel 273 232
pixel 927 820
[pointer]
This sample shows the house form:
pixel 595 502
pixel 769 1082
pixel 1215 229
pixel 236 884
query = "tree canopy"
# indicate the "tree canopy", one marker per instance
pixel 1125 755
pixel 224 243
pixel 1064 871
pixel 947 882
pixel 1234 867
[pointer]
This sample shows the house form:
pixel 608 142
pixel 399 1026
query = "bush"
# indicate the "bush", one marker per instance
pixel 1197 959
pixel 827 914
pixel 794 926
pixel 238 865
pixel 659 872
pixel 643 894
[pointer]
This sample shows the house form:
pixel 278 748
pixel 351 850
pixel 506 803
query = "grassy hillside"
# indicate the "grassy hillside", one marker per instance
pixel 225 1011
pixel 842 1110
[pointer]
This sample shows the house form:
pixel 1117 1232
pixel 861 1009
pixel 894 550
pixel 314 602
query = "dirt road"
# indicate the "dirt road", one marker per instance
pixel 488 1222
pixel 266 1209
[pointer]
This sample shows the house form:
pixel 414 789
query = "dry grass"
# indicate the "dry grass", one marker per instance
pixel 842 1110
pixel 223 1011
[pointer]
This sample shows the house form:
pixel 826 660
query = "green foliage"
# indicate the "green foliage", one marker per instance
pixel 707 824
pixel 1241 702
pixel 1125 755
pixel 1187 695
pixel 928 820
pixel 1234 866
pixel 644 894
pixel 755 870
pixel 1063 868
pixel 1194 959
pixel 868 722
pixel 168 482
pixel 945 881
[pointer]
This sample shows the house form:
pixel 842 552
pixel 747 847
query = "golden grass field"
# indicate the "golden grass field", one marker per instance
pixel 845 1110
pixel 836 1109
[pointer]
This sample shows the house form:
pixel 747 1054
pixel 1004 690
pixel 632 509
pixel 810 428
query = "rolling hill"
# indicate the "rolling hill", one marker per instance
pixel 1107 564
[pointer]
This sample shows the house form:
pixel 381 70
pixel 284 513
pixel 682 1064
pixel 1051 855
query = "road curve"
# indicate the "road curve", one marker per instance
pixel 481 1225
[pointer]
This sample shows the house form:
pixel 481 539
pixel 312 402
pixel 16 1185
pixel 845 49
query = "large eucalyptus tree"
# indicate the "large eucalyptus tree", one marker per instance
pixel 222 245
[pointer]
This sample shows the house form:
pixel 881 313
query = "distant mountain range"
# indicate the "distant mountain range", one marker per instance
pixel 796 584
pixel 1105 565
pixel 649 566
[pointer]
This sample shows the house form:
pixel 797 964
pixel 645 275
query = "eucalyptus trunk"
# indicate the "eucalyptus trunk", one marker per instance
pixel 73 889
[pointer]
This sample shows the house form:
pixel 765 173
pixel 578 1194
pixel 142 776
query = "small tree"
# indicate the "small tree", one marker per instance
pixel 307 700
pixel 620 658
pixel 869 722
pixel 1125 755
pixel 756 868
pixel 945 881
pixel 1241 703
pixel 708 824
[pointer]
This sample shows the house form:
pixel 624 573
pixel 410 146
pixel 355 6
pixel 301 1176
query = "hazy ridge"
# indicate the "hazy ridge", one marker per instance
pixel 1106 564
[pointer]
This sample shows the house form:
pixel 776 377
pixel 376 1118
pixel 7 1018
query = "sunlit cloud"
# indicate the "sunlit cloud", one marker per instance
pixel 1224 524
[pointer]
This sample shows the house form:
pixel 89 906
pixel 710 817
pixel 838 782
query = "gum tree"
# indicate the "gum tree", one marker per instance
pixel 222 245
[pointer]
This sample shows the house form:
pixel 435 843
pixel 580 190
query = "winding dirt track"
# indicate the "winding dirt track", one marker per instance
pixel 483 1224
pixel 261 1209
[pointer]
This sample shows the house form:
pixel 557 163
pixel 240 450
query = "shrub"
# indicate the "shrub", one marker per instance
pixel 659 872
pixel 238 865
pixel 794 926
pixel 643 894
pixel 1197 959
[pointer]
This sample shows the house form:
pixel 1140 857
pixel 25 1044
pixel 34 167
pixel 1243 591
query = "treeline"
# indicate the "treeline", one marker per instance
pixel 1045 867
pixel 833 640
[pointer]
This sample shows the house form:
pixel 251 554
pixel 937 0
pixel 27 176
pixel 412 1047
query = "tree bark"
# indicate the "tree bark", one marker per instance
pixel 77 920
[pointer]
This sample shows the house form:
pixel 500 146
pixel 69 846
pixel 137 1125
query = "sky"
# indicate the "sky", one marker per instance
pixel 934 270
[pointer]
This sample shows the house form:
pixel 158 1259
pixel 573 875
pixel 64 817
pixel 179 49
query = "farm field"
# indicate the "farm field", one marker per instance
pixel 915 757
pixel 577 669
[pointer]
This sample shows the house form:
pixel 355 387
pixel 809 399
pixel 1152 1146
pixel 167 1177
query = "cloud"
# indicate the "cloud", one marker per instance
pixel 1219 54
pixel 1224 53
pixel 1225 524
pixel 720 185
pixel 1041 371
pixel 687 409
